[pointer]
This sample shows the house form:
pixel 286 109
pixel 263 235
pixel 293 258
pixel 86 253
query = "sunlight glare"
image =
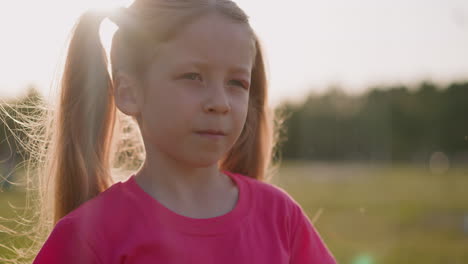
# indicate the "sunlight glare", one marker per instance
pixel 363 259
pixel 106 33
pixel 104 4
pixel 108 28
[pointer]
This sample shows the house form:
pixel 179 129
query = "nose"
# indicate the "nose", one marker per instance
pixel 217 101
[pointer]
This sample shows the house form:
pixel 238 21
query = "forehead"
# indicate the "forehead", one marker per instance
pixel 211 41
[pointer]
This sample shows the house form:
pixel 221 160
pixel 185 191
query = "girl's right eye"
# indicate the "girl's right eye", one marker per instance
pixel 191 75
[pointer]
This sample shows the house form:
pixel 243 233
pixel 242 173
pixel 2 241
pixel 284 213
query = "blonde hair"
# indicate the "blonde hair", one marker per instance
pixel 85 136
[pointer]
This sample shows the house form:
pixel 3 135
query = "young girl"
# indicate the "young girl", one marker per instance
pixel 191 75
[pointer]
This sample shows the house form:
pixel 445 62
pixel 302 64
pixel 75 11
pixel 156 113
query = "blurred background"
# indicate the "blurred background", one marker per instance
pixel 375 94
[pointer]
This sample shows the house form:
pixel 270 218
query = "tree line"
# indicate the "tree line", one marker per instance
pixel 388 123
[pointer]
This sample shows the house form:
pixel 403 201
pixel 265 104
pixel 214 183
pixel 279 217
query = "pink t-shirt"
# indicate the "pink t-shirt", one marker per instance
pixel 124 224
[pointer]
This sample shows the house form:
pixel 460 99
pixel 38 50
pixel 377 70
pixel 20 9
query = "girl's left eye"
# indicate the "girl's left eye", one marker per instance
pixel 194 75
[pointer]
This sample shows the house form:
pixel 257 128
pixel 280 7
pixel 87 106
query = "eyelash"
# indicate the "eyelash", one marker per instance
pixel 193 73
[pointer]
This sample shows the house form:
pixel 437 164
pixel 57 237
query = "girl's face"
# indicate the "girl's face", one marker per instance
pixel 199 82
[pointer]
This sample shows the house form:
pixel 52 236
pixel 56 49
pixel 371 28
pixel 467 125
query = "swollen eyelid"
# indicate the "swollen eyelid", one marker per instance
pixel 240 83
pixel 191 74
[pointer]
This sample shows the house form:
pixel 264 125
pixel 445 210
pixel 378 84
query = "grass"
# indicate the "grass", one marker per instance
pixel 370 214
pixel 384 214
pixel 10 209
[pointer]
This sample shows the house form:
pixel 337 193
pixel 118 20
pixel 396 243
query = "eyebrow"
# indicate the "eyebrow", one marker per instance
pixel 203 64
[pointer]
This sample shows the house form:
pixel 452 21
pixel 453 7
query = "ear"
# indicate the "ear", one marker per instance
pixel 126 94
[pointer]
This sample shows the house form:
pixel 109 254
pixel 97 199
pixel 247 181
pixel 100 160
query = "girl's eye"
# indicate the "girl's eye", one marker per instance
pixel 240 83
pixel 192 75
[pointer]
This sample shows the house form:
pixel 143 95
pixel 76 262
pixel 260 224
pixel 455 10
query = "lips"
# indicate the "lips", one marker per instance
pixel 212 132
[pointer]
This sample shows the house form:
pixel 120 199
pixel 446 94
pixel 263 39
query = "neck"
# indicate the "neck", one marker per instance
pixel 168 179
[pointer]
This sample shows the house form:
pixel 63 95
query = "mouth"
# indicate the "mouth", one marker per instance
pixel 212 133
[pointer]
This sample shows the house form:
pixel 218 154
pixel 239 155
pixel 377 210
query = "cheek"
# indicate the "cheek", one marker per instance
pixel 171 100
pixel 240 110
pixel 241 103
pixel 170 111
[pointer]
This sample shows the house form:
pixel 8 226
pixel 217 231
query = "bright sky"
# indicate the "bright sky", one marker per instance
pixel 309 44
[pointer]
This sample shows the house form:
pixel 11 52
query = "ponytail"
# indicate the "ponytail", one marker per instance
pixel 84 121
pixel 70 142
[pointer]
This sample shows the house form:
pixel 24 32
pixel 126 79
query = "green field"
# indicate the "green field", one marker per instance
pixel 369 214
pixel 384 214
pixel 10 199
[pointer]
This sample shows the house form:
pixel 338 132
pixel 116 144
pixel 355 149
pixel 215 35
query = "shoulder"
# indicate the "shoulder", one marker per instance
pixel 284 213
pixel 274 196
pixel 66 244
pixel 92 218
pixel 78 236
pixel 103 202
